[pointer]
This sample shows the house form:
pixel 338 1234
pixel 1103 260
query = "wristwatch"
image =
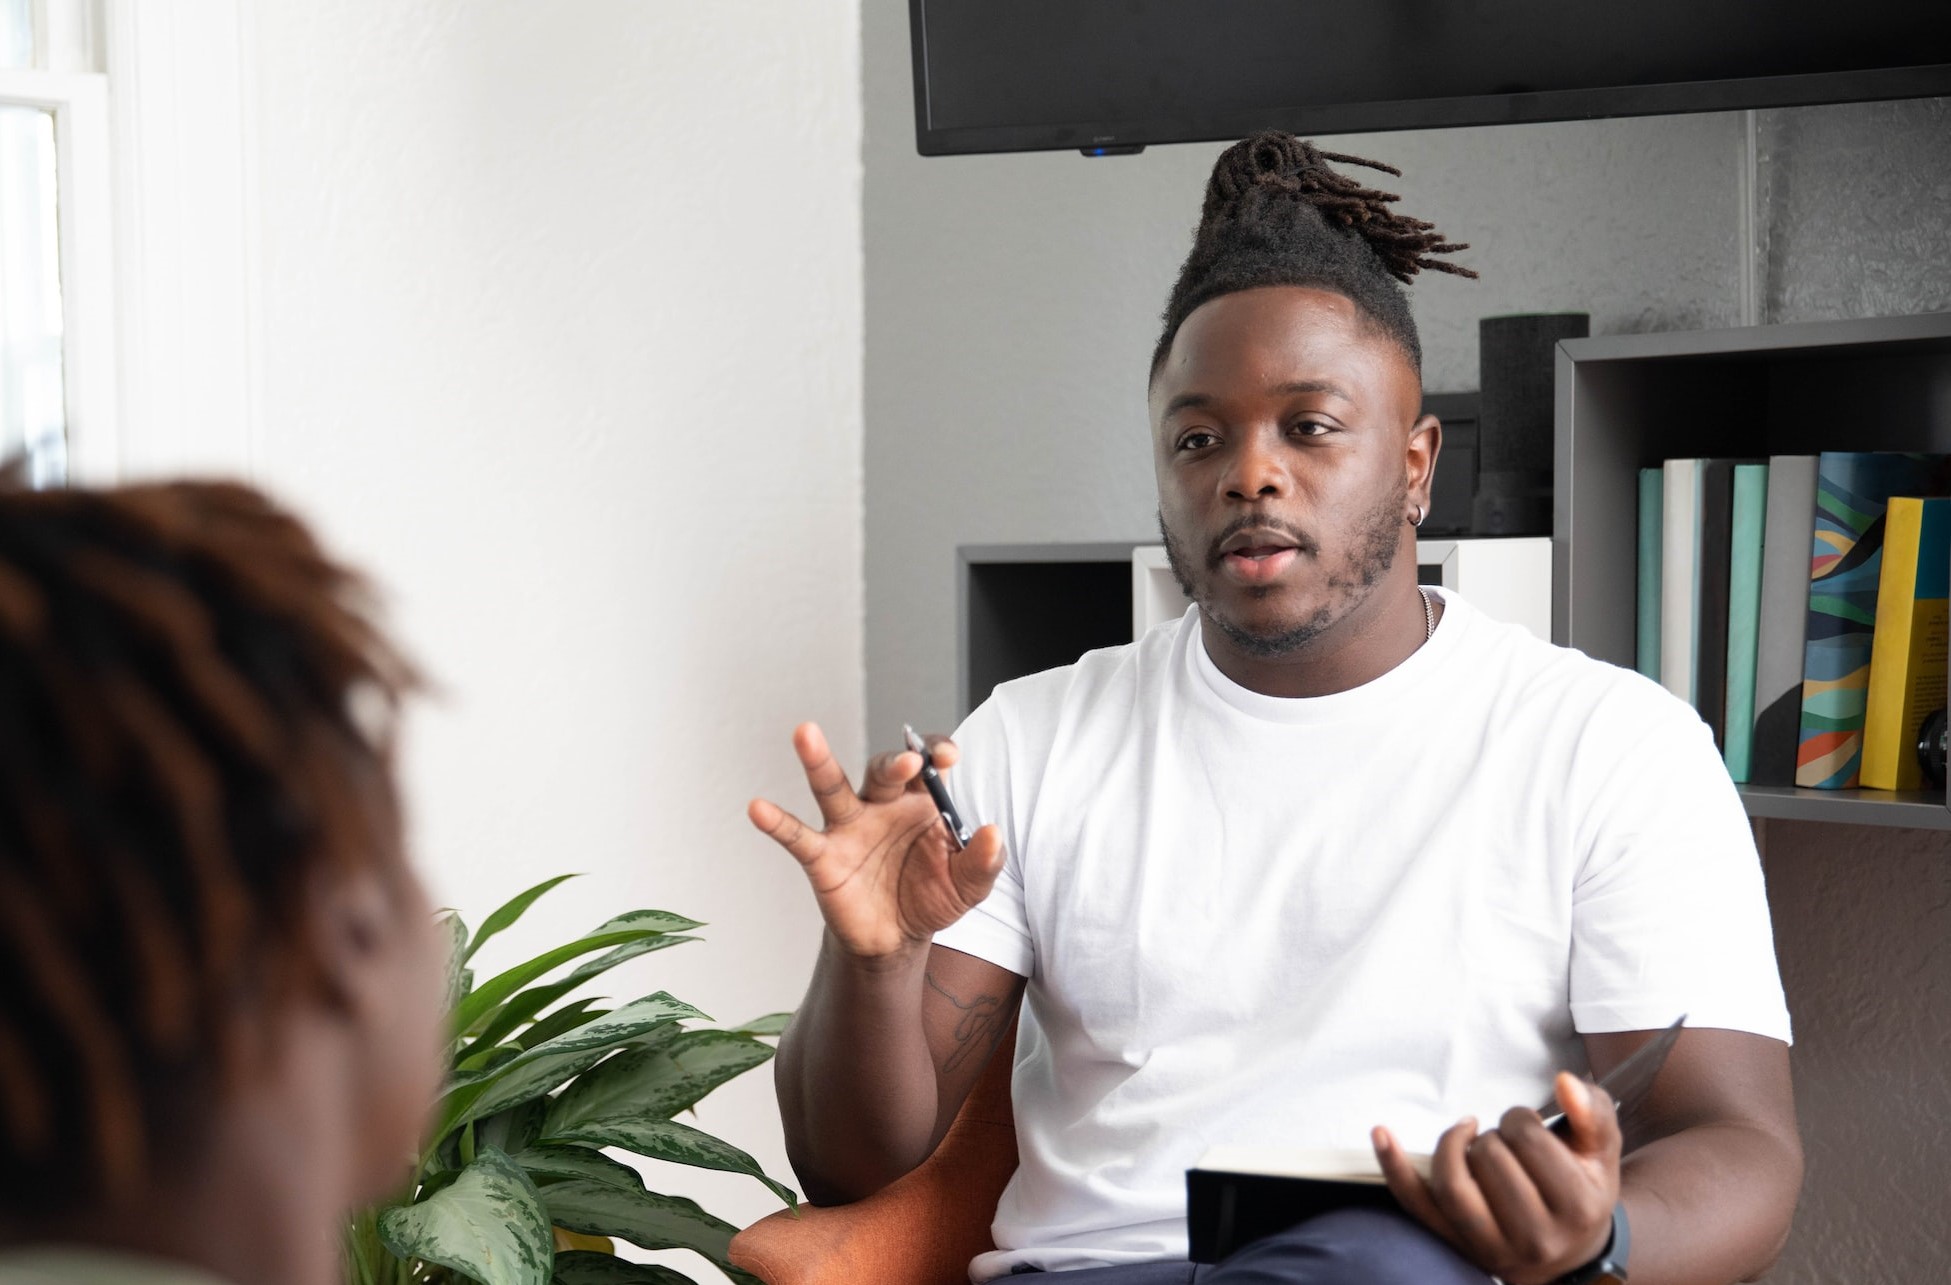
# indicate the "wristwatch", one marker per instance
pixel 1609 1268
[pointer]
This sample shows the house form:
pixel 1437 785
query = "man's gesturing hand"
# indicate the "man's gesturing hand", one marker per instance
pixel 1517 1201
pixel 883 869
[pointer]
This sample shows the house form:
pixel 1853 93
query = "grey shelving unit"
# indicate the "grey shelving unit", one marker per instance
pixel 1627 402
pixel 1024 608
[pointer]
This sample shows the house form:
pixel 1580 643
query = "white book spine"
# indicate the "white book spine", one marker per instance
pixel 1679 576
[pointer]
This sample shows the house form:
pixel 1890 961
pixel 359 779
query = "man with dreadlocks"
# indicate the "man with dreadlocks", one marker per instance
pixel 1331 862
pixel 220 1023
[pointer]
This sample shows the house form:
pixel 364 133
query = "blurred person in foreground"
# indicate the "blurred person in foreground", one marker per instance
pixel 220 1013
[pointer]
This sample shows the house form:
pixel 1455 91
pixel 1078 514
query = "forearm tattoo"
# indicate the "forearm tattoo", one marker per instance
pixel 981 1028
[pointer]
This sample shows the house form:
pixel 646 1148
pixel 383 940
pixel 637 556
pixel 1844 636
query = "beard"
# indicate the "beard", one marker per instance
pixel 1369 556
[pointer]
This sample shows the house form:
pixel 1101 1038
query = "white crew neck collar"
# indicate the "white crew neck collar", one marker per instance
pixel 1361 702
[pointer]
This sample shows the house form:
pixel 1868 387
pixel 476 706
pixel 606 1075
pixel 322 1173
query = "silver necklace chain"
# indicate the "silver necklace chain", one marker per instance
pixel 1429 615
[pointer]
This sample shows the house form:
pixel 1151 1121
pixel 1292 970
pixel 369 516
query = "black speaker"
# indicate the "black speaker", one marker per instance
pixel 1516 362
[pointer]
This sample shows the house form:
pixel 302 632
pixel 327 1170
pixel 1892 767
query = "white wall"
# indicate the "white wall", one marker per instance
pixel 558 330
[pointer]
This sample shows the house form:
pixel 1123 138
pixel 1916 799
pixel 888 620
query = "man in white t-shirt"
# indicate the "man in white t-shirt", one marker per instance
pixel 1331 862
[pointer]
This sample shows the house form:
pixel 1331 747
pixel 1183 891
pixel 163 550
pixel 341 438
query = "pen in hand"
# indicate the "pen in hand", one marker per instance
pixel 958 833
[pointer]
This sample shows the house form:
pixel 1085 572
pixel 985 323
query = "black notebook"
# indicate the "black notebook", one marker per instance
pixel 1236 1195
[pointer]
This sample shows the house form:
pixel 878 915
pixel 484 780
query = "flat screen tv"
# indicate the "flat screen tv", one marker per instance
pixel 1107 76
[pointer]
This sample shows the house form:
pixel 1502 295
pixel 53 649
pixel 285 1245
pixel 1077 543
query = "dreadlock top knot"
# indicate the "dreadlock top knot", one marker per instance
pixel 1281 165
pixel 1277 213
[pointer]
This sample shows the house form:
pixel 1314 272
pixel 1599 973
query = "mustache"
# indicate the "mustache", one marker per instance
pixel 1303 542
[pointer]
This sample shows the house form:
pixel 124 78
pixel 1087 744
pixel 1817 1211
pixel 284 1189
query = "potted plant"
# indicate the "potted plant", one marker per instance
pixel 514 1188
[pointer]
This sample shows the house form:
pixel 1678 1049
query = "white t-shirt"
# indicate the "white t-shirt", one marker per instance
pixel 1247 919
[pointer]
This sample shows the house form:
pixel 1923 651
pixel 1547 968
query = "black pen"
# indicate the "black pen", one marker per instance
pixel 958 833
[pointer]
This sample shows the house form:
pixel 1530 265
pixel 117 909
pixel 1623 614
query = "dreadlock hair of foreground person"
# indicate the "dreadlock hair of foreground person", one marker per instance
pixel 214 948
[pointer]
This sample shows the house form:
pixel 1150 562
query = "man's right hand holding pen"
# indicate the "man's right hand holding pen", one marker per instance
pixel 886 872
pixel 894 1029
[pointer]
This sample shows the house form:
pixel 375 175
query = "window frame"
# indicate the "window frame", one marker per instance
pixel 84 228
pixel 158 219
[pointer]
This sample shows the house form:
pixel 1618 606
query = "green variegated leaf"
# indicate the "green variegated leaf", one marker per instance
pixel 511 911
pixel 644 1218
pixel 490 1224
pixel 532 1079
pixel 542 1068
pixel 662 921
pixel 536 998
pixel 478 1008
pixel 566 1018
pixel 626 1023
pixel 458 975
pixel 770 1024
pixel 482 1060
pixel 512 1129
pixel 661 1081
pixel 668 1140
pixel 546 1164
pixel 581 1267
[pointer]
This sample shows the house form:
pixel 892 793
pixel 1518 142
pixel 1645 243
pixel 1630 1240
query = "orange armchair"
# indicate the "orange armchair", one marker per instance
pixel 920 1230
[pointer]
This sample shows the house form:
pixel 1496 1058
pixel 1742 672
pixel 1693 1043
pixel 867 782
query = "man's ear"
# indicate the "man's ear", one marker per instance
pixel 349 916
pixel 1419 458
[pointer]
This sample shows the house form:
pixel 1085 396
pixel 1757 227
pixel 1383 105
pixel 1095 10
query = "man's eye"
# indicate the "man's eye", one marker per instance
pixel 1311 428
pixel 1196 441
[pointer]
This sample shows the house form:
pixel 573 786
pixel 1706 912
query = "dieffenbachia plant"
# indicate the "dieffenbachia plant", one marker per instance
pixel 514 1188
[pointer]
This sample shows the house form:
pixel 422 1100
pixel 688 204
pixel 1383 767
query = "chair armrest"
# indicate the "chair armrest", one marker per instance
pixel 919 1230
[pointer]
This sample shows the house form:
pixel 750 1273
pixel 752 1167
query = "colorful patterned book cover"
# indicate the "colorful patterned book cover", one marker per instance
pixel 1853 488
pixel 1907 660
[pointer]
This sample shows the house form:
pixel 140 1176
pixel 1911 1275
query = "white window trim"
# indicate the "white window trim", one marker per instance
pixel 78 102
pixel 154 149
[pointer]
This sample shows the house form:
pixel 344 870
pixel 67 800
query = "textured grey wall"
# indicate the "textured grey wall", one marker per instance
pixel 1856 210
pixel 1012 302
pixel 1863 931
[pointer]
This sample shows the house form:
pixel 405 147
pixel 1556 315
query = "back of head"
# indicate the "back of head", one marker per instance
pixel 1278 214
pixel 195 716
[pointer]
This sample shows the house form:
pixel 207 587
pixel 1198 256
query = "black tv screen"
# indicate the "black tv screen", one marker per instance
pixel 1115 75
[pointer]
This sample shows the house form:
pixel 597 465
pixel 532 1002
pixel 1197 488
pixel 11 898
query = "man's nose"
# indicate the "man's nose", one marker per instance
pixel 1256 470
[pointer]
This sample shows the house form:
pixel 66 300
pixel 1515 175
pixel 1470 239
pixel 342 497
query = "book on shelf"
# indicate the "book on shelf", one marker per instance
pixel 1646 650
pixel 1697 527
pixel 1711 611
pixel 1784 616
pixel 1909 650
pixel 1748 518
pixel 1853 489
pixel 1679 575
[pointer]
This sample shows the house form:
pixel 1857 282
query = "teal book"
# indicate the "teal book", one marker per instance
pixel 1853 490
pixel 1747 528
pixel 1651 492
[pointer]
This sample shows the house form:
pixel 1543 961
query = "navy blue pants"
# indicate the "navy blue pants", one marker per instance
pixel 1347 1247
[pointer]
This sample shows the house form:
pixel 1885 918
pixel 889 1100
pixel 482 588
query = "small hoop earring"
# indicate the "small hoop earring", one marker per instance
pixel 1421 513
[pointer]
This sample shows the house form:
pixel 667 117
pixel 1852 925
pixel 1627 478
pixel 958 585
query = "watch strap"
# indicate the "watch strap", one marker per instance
pixel 1609 1268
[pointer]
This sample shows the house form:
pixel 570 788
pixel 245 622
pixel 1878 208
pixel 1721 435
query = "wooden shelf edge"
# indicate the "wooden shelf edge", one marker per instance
pixel 1907 809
